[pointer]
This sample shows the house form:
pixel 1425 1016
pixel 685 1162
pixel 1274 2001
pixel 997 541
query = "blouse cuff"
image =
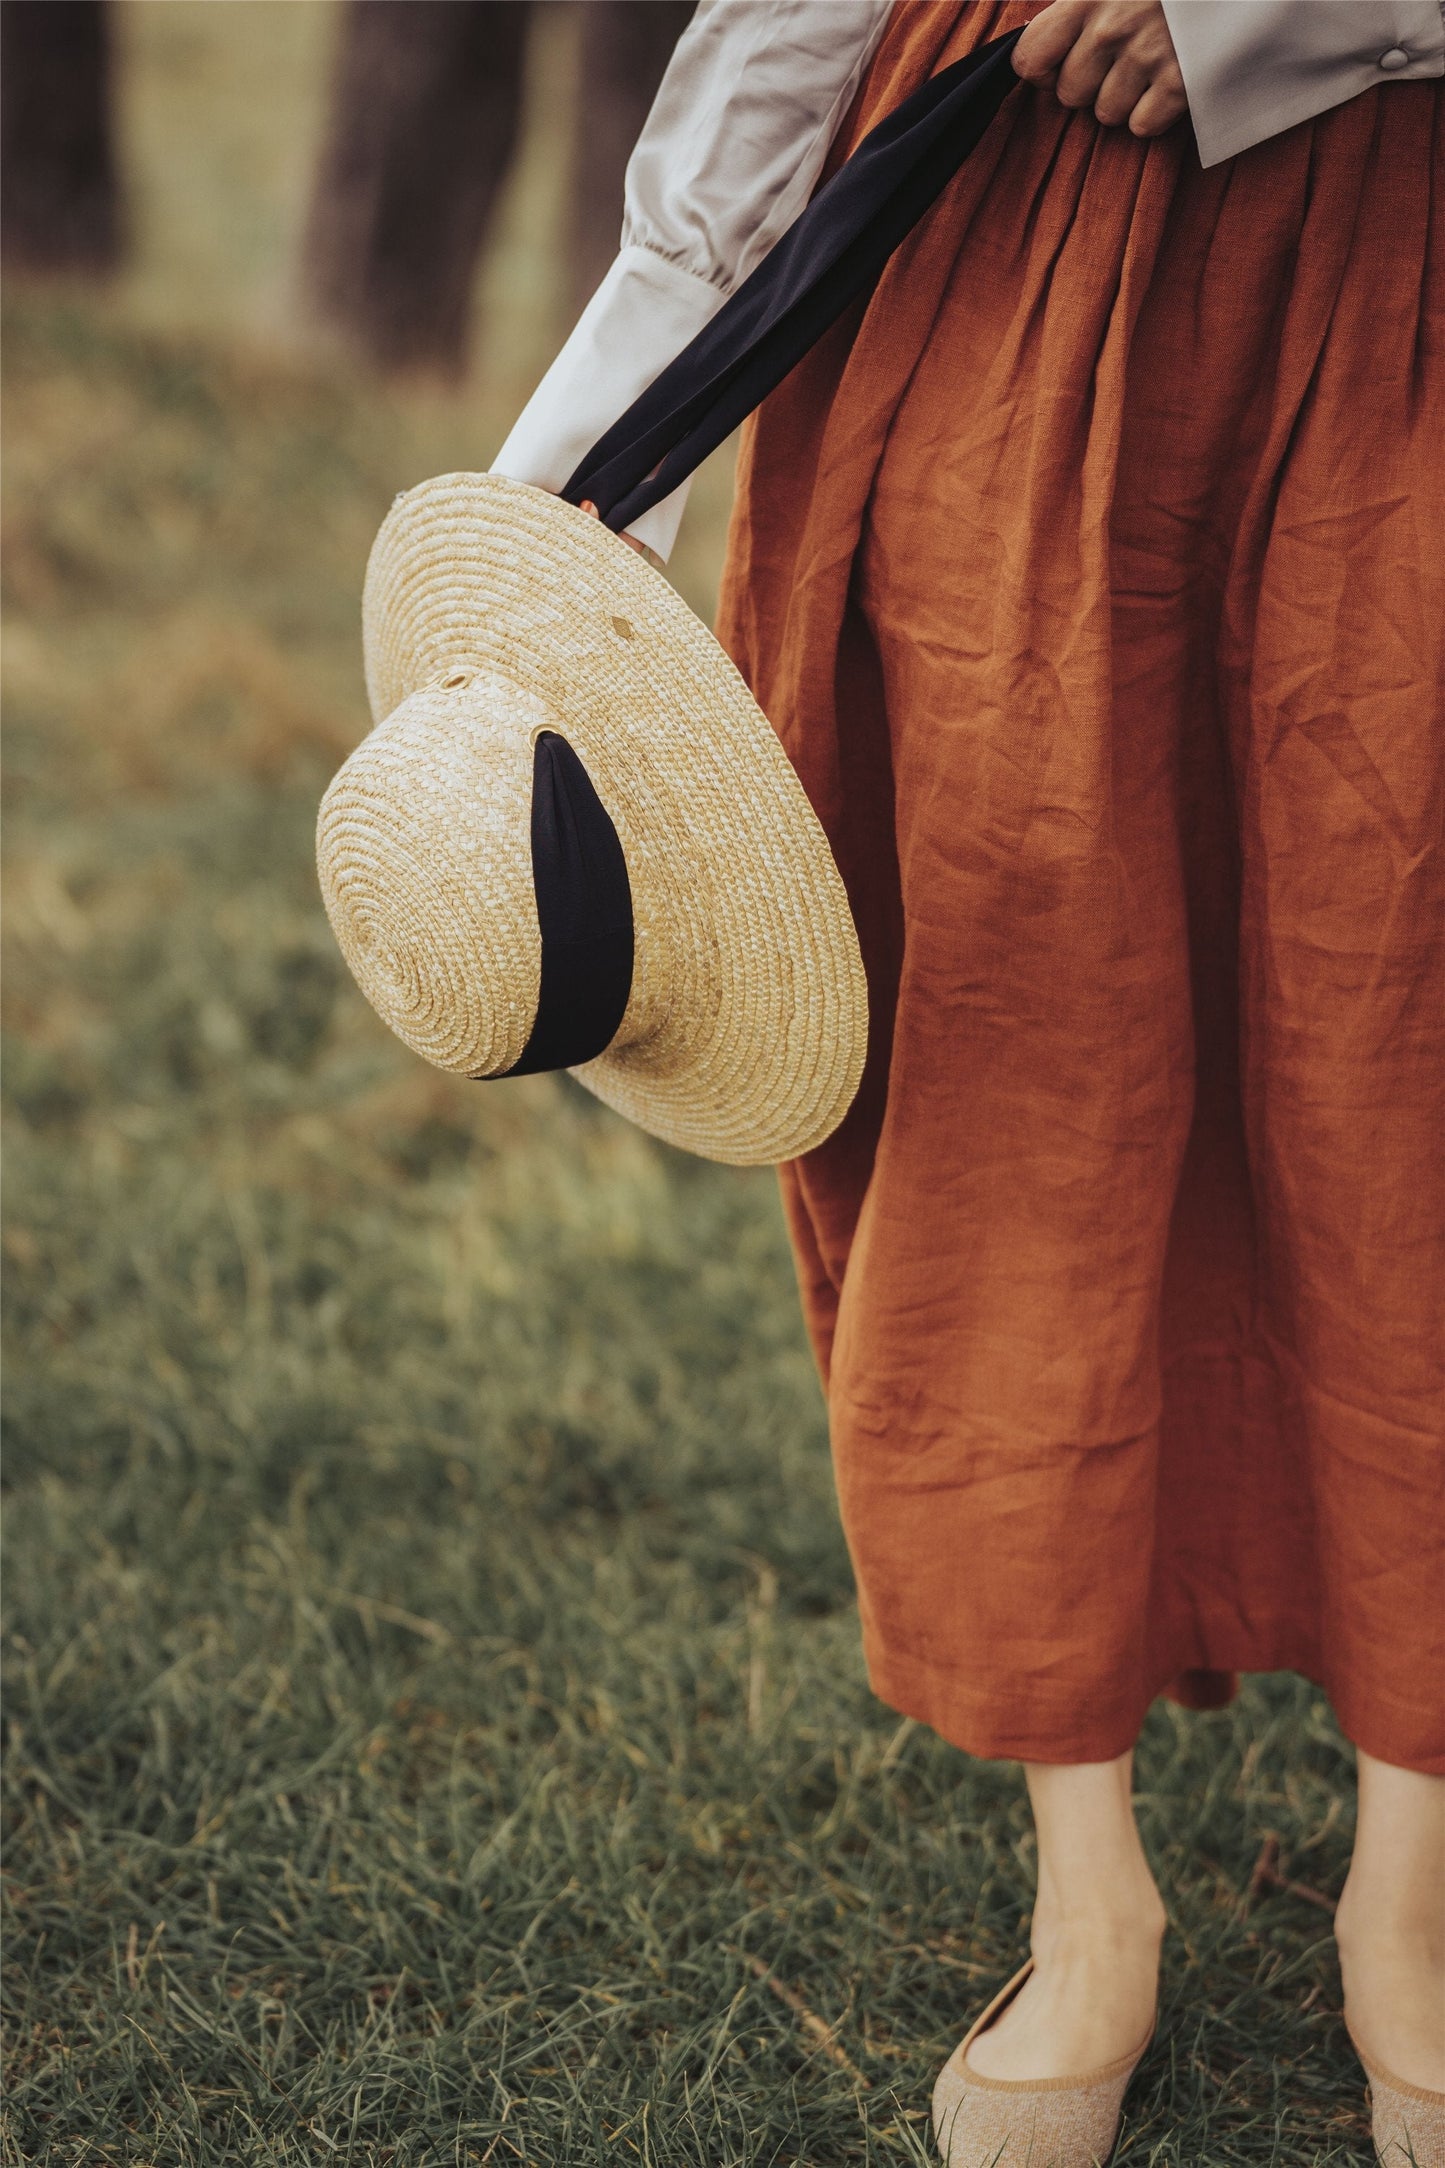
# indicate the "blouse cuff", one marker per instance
pixel 643 314
pixel 1253 68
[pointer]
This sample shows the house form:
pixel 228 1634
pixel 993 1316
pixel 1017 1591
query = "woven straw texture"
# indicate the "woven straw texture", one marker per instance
pixel 493 611
pixel 1059 2123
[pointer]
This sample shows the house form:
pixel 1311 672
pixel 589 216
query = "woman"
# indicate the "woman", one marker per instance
pixel 1092 577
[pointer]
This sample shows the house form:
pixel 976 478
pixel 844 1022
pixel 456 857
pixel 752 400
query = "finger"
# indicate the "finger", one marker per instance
pixel 1047 39
pixel 631 540
pixel 1083 71
pixel 1163 103
pixel 1120 91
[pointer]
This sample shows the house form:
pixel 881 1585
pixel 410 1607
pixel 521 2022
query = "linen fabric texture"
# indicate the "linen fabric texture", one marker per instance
pixel 1091 574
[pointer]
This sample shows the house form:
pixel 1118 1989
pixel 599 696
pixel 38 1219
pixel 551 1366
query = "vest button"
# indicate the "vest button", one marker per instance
pixel 1395 58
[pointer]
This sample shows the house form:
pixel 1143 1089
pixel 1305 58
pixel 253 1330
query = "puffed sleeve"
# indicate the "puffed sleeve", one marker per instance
pixel 1254 67
pixel 735 141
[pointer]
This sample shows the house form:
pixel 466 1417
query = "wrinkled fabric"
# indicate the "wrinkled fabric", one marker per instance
pixel 1093 577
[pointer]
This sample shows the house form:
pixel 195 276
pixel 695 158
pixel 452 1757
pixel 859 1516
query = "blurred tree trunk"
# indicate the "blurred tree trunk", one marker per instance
pixel 626 45
pixel 424 114
pixel 59 198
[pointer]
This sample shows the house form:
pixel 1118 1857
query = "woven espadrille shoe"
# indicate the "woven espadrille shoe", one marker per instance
pixel 1006 2123
pixel 1407 2122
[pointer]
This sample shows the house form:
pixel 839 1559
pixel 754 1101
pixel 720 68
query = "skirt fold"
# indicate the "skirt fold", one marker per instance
pixel 1092 578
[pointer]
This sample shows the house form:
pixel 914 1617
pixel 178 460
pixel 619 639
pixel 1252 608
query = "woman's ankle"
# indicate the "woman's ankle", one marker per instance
pixel 1396 1883
pixel 1128 1922
pixel 1093 1993
pixel 1390 1933
pixel 1093 1876
pixel 1387 1917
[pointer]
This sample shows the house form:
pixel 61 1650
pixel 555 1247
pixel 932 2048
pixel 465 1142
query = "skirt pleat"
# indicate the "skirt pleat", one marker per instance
pixel 1093 577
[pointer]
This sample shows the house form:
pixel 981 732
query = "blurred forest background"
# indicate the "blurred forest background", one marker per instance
pixel 436 1731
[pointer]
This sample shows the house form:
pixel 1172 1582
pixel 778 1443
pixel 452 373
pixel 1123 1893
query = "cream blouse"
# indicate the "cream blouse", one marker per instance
pixel 753 97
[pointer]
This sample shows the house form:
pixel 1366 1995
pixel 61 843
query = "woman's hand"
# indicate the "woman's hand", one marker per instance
pixel 1115 55
pixel 631 540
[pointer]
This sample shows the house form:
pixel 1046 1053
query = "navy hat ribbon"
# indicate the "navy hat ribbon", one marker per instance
pixel 584 910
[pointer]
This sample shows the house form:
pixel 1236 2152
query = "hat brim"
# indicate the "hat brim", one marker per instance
pixel 766 998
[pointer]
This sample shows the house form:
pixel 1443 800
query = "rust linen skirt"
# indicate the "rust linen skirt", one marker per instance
pixel 1094 577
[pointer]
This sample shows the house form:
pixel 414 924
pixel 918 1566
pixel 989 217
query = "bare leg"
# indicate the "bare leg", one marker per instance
pixel 1391 1923
pixel 1098 1923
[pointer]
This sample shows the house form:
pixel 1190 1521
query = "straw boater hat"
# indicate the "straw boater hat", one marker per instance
pixel 572 839
pixel 503 627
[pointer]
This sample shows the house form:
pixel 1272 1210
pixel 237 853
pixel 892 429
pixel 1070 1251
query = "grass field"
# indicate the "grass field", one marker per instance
pixel 436 1727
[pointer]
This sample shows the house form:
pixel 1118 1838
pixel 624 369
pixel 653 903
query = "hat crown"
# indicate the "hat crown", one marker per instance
pixel 425 852
pixel 424 848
